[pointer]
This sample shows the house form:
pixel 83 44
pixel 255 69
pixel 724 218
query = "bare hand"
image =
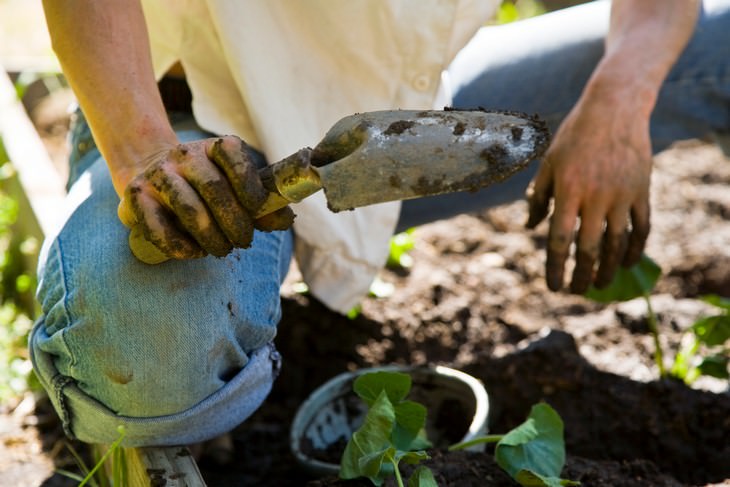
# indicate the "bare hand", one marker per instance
pixel 597 169
pixel 196 199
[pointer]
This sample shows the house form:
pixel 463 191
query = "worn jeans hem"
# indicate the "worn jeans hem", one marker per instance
pixel 88 420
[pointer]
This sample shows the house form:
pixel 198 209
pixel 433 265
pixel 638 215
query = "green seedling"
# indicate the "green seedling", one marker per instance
pixel 97 475
pixel 711 334
pixel 401 245
pixel 704 350
pixel 633 282
pixel 392 432
pixel 533 453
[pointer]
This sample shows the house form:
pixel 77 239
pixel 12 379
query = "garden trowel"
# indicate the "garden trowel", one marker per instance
pixel 381 156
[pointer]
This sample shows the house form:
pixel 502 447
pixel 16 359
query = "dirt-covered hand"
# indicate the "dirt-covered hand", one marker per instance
pixel 195 199
pixel 597 171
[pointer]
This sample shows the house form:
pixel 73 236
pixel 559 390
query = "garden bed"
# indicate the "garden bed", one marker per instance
pixel 475 299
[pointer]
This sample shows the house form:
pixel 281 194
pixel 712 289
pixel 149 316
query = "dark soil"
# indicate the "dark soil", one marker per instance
pixel 475 300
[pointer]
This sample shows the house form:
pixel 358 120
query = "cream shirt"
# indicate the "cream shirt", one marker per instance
pixel 280 73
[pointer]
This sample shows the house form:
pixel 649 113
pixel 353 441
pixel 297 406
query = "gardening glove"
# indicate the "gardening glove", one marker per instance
pixel 597 172
pixel 195 199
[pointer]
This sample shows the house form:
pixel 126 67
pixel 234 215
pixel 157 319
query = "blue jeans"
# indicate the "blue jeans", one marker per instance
pixel 181 352
pixel 176 353
pixel 540 66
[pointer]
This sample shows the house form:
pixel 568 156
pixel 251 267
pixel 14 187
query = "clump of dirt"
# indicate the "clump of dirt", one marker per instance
pixel 397 128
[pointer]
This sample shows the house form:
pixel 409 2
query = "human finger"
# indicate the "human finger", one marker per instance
pixel 560 236
pixel 156 225
pixel 188 209
pixel 613 247
pixel 539 193
pixel 640 226
pixel 143 249
pixel 588 246
pixel 125 213
pixel 216 191
pixel 230 154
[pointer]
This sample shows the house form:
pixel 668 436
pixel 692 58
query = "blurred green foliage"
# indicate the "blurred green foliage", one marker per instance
pixel 401 245
pixel 705 346
pixel 512 10
pixel 17 287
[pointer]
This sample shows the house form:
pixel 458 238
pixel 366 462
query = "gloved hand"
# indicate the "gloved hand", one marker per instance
pixel 196 199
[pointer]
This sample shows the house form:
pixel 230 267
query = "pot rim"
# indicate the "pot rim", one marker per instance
pixel 341 384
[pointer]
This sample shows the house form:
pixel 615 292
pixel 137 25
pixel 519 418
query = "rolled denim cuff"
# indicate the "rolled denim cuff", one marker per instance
pixel 88 420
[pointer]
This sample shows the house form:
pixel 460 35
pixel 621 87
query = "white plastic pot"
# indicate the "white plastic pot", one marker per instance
pixel 457 405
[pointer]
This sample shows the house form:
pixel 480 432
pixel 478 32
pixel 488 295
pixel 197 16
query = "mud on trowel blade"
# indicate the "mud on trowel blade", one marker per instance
pixel 382 156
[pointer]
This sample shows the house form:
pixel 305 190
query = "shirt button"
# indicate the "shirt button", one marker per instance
pixel 422 82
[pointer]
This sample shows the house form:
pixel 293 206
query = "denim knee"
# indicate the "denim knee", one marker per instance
pixel 146 341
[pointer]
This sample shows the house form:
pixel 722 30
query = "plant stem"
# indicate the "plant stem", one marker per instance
pixel 106 455
pixel 476 441
pixel 682 367
pixel 398 477
pixel 652 322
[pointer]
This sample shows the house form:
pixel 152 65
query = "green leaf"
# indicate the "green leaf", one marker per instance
pixel 713 330
pixel 715 366
pixel 3 153
pixel 392 427
pixel 411 457
pixel 23 283
pixel 682 364
pixel 410 417
pixel 422 477
pixel 354 312
pixel 395 384
pixel 628 284
pixel 420 442
pixel 536 445
pixel 371 439
pixel 527 478
pixel 400 245
pixel 717 301
pixel 371 465
pixel 507 13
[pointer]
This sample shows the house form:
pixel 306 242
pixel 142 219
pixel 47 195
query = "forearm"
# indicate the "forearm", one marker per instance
pixel 106 59
pixel 645 39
